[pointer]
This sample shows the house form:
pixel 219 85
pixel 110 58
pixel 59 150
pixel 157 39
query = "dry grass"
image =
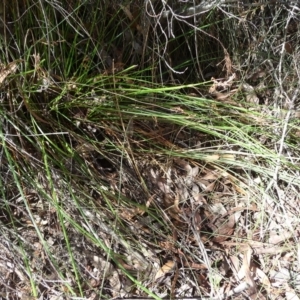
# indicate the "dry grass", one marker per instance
pixel 149 150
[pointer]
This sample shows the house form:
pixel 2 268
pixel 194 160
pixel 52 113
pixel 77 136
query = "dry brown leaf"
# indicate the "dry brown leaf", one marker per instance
pixel 149 202
pixel 127 11
pixel 218 210
pixel 210 187
pixel 184 165
pixel 194 171
pixel 166 268
pixel 289 48
pixel 213 175
pixel 104 266
pixel 203 282
pixel 248 276
pixel 219 85
pixel 196 266
pixel 235 262
pixel 115 283
pixel 291 295
pixel 225 230
pixel 251 96
pixel 177 110
pixel 7 70
pixel 276 238
pixel 238 188
pixel 263 279
pixel 176 203
pixel 228 65
pixel 225 96
pixel 127 213
pixel 258 247
pixel 271 250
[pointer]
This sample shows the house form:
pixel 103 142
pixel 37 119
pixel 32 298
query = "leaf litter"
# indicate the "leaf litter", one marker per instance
pixel 199 226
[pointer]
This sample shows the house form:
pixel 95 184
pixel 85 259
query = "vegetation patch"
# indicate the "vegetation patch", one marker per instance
pixel 149 149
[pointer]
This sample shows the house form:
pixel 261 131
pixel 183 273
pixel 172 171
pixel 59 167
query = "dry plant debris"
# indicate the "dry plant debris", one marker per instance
pixel 114 186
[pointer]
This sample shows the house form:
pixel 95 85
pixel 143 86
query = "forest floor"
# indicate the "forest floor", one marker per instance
pixel 149 150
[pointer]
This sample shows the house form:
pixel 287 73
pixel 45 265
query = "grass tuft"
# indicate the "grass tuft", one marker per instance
pixel 148 149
